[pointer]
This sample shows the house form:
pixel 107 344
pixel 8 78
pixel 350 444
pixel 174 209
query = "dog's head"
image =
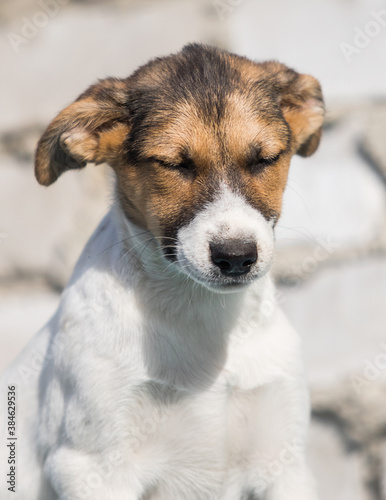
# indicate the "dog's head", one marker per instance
pixel 201 143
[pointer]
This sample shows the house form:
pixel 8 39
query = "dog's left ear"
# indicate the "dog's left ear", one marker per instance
pixel 91 129
pixel 301 101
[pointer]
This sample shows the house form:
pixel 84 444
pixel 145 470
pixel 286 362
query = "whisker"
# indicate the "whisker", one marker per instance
pixel 123 240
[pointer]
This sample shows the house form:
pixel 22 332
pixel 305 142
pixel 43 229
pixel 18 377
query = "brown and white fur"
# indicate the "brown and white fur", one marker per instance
pixel 168 371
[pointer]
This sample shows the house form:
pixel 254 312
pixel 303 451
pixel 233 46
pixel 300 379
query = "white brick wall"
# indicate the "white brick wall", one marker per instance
pixel 332 236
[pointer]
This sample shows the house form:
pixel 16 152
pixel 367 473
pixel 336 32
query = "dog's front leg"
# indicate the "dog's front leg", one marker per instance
pixel 76 475
pixel 295 483
pixel 280 471
pixel 286 480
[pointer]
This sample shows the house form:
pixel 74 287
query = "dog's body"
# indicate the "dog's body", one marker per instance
pixel 149 383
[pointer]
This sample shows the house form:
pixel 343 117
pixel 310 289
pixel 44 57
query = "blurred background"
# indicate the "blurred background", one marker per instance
pixel 330 265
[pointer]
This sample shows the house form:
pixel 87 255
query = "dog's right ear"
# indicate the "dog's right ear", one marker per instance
pixel 92 129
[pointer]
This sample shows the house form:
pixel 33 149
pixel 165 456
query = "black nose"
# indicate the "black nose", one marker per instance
pixel 235 257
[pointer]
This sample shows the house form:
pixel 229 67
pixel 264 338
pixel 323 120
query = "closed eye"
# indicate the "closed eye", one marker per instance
pixel 259 163
pixel 185 166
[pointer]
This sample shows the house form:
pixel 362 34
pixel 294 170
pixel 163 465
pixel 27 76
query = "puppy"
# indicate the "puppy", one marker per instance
pixel 168 371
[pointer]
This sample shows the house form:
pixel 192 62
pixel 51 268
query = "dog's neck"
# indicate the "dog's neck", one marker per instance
pixel 176 295
pixel 187 329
